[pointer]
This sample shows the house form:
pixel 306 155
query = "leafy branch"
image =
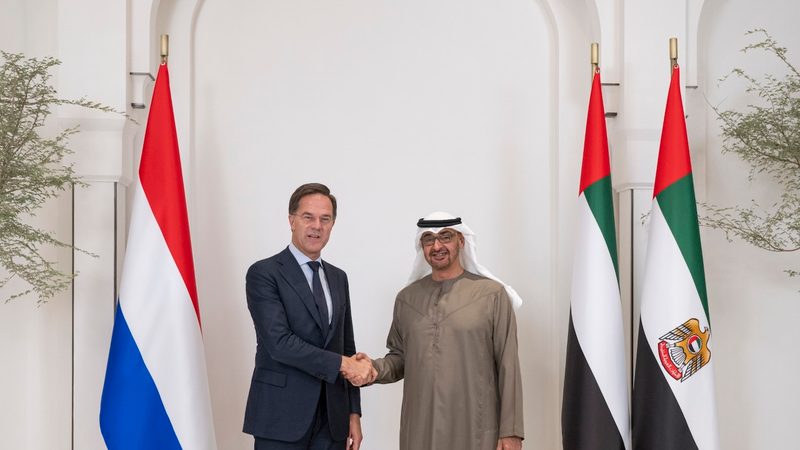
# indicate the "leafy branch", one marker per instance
pixel 767 136
pixel 31 171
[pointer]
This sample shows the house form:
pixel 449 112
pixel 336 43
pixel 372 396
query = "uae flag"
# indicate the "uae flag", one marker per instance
pixel 673 393
pixel 156 393
pixel 594 414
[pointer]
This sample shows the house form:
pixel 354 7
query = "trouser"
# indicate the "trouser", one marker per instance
pixel 318 436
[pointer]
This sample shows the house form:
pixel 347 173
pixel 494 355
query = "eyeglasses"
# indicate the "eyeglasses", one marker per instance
pixel 310 218
pixel 445 237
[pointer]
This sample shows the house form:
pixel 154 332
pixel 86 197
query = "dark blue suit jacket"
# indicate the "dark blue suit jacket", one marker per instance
pixel 295 355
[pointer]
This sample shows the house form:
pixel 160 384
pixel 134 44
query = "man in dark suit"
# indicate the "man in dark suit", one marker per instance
pixel 301 311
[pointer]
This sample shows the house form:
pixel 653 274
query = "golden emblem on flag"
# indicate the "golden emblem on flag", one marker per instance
pixel 684 350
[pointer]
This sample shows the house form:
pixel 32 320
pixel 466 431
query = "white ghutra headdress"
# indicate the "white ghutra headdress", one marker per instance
pixel 436 222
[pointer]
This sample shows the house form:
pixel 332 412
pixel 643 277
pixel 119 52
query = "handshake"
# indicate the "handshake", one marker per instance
pixel 358 369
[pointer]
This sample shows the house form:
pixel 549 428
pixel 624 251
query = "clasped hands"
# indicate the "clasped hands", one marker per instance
pixel 358 369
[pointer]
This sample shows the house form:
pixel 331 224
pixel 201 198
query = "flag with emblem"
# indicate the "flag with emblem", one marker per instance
pixel 673 393
pixel 594 412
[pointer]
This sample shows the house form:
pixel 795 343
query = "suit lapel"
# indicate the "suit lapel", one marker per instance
pixel 293 274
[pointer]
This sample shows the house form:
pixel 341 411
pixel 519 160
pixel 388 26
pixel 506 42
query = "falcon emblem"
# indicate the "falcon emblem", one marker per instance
pixel 684 350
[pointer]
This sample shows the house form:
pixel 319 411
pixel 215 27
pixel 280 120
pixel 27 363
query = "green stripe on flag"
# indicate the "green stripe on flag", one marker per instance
pixel 678 204
pixel 598 196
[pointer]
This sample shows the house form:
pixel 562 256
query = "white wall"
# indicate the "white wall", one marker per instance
pixel 53 355
pixel 36 341
pixel 755 307
pixel 402 108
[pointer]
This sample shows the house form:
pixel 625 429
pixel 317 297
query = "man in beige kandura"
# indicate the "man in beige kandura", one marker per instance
pixel 453 339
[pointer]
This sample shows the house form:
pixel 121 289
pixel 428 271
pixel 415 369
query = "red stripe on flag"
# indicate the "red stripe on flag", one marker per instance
pixel 674 162
pixel 162 181
pixel 595 145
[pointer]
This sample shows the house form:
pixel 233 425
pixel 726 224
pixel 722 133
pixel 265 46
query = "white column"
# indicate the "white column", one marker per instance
pixel 645 80
pixel 634 203
pixel 636 132
pixel 96 229
pixel 609 14
pixel 92 45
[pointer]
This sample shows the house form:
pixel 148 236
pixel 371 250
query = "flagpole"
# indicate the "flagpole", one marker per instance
pixel 673 54
pixel 595 57
pixel 164 48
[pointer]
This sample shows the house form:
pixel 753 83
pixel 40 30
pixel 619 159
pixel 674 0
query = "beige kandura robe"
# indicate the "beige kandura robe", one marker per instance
pixel 455 344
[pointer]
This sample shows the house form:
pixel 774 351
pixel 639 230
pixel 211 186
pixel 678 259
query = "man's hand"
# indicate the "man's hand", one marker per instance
pixel 355 437
pixel 509 443
pixel 358 371
pixel 373 373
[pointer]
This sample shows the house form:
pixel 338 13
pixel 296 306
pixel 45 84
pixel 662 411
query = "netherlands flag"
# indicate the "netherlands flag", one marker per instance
pixel 156 393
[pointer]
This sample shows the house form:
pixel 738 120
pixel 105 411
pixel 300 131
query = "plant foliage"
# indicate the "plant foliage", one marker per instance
pixel 31 171
pixel 767 136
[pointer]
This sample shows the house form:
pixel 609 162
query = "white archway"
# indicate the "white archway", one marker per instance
pixel 237 211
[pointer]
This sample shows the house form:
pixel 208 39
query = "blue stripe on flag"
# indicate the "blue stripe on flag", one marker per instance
pixel 132 415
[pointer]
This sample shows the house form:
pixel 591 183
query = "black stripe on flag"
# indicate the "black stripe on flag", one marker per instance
pixel 586 421
pixel 658 421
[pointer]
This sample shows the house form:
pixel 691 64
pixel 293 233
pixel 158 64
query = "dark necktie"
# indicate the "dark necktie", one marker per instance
pixel 319 294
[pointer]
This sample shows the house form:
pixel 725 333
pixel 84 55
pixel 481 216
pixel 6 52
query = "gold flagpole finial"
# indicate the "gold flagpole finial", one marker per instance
pixel 164 48
pixel 673 52
pixel 595 52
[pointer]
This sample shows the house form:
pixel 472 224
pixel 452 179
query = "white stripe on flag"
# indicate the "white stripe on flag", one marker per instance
pixel 669 298
pixel 597 316
pixel 164 326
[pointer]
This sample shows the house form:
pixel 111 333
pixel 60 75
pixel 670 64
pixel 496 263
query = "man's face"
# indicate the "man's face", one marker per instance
pixel 311 224
pixel 441 250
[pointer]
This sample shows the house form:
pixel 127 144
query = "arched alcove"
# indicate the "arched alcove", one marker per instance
pixel 401 110
pixel 751 300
